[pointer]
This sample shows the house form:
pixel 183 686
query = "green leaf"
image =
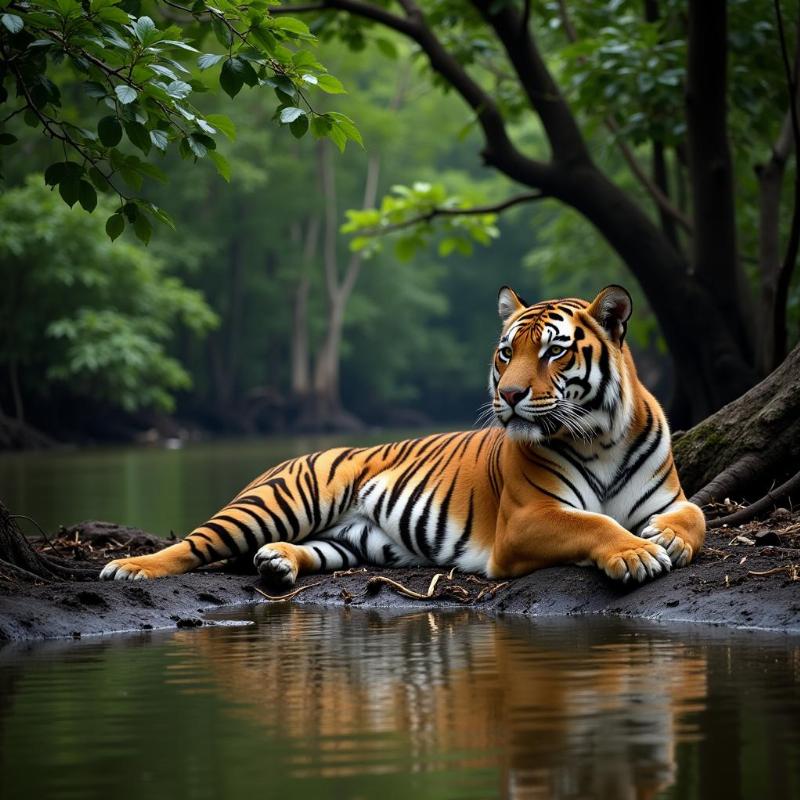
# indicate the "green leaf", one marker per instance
pixel 221 163
pixel 12 23
pixel 115 224
pixel 230 79
pixel 68 188
pixel 320 126
pixel 179 90
pixel 164 72
pixel 159 139
pixel 7 139
pixel 143 29
pixel 209 60
pixel 330 85
pixel 162 216
pixel 87 196
pixel 110 131
pixel 338 137
pixel 98 179
pixel 387 47
pixel 292 25
pixel 299 127
pixel 94 89
pixel 347 125
pixel 223 33
pixel 125 94
pixel 131 211
pixel 224 125
pixel 142 228
pixel 139 136
pixel 54 174
pixel 290 114
pixel 113 14
pixel 198 148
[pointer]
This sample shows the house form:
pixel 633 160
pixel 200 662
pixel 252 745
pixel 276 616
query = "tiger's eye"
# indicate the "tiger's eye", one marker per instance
pixel 505 353
pixel 555 350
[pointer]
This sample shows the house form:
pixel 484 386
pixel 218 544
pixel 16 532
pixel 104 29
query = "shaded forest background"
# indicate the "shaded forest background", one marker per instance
pixel 257 315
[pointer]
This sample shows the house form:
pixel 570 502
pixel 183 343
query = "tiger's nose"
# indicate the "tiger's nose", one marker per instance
pixel 513 396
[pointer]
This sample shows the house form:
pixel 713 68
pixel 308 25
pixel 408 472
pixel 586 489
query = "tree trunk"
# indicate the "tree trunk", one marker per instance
pixel 714 257
pixel 770 182
pixel 706 376
pixel 300 379
pixel 749 444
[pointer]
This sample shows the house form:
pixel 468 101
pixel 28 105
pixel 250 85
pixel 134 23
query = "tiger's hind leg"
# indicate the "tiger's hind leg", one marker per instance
pixel 354 541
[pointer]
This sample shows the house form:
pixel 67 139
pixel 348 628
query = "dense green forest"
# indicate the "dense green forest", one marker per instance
pixel 258 313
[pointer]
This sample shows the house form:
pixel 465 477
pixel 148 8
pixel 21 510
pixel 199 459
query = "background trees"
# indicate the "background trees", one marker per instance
pixel 673 169
pixel 84 322
pixel 652 74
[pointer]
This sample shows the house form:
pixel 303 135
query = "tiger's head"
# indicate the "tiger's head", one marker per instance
pixel 562 367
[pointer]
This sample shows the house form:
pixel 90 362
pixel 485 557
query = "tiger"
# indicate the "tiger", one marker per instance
pixel 576 468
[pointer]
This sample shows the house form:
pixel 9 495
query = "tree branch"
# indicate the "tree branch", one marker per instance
pixel 661 200
pixel 499 150
pixel 474 211
pixel 564 135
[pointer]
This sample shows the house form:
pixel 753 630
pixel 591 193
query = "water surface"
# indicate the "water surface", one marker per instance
pixel 152 488
pixel 308 702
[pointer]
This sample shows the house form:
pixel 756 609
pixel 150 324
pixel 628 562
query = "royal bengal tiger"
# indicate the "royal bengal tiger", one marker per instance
pixel 577 470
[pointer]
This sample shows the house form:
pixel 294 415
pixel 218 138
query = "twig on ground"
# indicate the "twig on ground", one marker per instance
pixel 289 595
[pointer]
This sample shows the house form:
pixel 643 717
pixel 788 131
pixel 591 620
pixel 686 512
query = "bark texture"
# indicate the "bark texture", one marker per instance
pixel 747 445
pixel 19 561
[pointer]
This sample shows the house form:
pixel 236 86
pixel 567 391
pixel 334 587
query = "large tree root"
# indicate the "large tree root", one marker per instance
pixel 19 560
pixel 766 503
pixel 749 444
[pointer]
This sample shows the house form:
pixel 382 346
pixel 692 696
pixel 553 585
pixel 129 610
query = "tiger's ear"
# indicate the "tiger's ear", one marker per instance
pixel 612 309
pixel 509 302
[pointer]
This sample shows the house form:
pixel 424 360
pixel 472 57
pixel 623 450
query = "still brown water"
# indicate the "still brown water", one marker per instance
pixel 305 702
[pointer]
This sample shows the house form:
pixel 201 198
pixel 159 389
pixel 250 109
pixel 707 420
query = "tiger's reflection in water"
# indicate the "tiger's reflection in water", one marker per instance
pixel 557 708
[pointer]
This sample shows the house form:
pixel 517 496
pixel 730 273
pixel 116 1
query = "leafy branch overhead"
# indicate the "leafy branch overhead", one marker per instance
pixel 143 75
pixel 410 212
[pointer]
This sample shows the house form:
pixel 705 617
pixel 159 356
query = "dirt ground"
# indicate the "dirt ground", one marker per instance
pixel 746 577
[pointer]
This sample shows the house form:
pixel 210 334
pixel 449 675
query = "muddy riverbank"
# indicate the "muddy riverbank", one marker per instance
pixel 736 581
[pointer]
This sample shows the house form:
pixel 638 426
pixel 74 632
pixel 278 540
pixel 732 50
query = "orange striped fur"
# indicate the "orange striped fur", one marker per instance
pixel 576 469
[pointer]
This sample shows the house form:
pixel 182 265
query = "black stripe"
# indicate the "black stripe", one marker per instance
pixel 464 538
pixel 259 521
pixel 338 460
pixel 225 537
pixel 323 562
pixel 255 500
pixel 558 475
pixel 288 512
pixel 441 522
pixel 666 505
pixel 549 494
pixel 196 552
pixel 649 493
pixel 249 536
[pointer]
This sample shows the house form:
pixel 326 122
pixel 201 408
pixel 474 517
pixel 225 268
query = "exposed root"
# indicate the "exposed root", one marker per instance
pixel 767 502
pixel 448 590
pixel 289 595
pixel 730 480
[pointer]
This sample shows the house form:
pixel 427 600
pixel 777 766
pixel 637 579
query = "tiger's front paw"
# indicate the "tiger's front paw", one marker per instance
pixel 637 564
pixel 679 551
pixel 277 566
pixel 133 569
